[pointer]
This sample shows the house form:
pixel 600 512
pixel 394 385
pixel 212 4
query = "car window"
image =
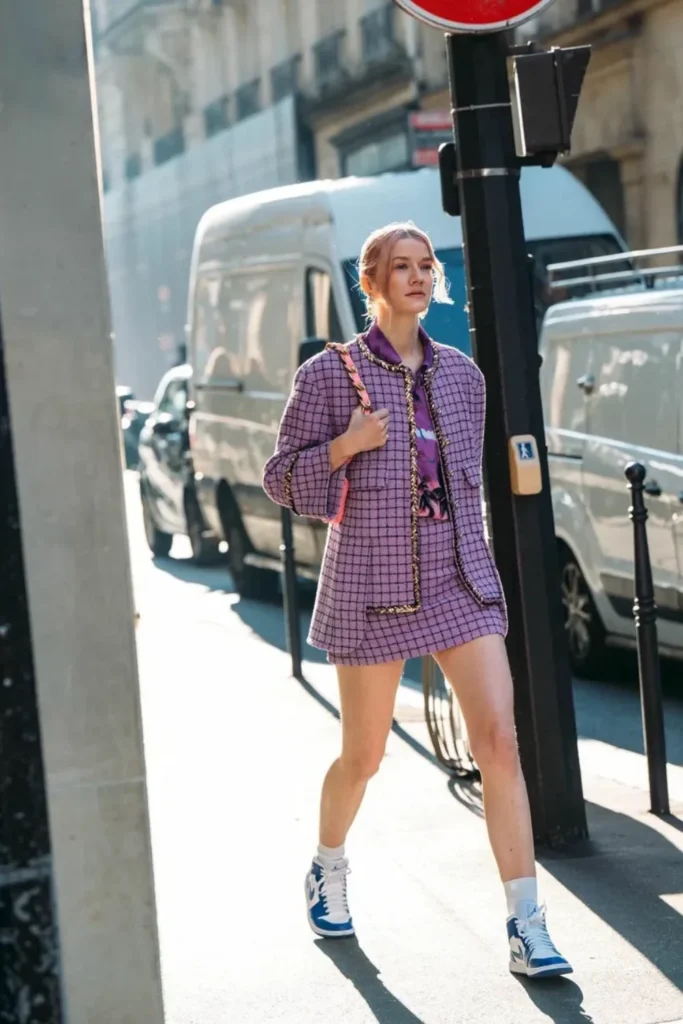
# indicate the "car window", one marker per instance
pixel 174 399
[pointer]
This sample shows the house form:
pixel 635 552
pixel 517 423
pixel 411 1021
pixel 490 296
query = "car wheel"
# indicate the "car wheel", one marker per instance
pixel 585 631
pixel 205 549
pixel 250 581
pixel 159 543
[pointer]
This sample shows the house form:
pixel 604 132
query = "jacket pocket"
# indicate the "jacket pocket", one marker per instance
pixel 473 474
pixel 476 561
pixel 367 471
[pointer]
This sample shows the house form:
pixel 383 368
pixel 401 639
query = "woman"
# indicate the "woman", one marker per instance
pixel 407 569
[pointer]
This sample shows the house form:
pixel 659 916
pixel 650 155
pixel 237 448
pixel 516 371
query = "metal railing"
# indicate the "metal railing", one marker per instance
pixel 598 274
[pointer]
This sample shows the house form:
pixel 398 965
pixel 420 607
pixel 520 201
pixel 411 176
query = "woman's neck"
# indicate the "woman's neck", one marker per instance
pixel 403 333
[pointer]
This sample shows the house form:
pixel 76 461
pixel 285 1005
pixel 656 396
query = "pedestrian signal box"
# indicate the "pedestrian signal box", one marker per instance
pixel 525 465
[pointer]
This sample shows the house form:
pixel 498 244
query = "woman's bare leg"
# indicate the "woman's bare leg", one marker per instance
pixel 480 676
pixel 367 697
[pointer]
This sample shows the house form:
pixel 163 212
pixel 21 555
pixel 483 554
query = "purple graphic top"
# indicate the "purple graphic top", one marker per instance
pixel 433 504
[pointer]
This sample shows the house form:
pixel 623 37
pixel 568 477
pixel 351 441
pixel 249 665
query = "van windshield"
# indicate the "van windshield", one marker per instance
pixel 448 324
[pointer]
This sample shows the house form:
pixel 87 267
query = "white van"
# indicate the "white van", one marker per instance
pixel 276 267
pixel 612 385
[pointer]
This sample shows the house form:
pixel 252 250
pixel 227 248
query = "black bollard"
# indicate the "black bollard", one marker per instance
pixel 290 595
pixel 645 615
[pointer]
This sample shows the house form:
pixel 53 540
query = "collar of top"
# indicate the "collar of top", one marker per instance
pixel 380 346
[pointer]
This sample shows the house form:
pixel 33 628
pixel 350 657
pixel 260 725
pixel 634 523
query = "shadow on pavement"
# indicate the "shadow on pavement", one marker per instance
pixel 351 961
pixel 560 999
pixel 621 874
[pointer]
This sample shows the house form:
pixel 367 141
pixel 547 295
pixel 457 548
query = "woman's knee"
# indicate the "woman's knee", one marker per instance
pixel 494 747
pixel 361 765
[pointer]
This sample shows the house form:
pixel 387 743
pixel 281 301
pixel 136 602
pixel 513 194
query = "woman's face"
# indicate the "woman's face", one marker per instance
pixel 410 278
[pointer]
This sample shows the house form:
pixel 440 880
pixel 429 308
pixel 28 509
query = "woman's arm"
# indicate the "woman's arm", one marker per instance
pixel 308 469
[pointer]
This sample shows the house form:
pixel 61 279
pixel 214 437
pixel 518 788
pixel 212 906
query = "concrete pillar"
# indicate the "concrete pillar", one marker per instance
pixel 59 371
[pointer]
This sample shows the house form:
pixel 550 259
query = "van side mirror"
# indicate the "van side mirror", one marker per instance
pixel 310 347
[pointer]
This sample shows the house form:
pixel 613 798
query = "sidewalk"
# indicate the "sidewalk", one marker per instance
pixel 236 752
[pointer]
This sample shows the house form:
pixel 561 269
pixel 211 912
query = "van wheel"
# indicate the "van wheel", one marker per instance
pixel 585 631
pixel 250 582
pixel 159 543
pixel 204 549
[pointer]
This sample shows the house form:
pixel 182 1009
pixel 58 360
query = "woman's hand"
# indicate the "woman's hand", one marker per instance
pixel 367 432
pixel 363 434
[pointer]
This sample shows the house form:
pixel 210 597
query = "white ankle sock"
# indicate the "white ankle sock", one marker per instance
pixel 329 854
pixel 522 897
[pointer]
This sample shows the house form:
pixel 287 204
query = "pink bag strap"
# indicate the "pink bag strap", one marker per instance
pixel 354 376
pixel 365 404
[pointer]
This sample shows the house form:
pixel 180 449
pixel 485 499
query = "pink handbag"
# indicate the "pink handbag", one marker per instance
pixel 365 404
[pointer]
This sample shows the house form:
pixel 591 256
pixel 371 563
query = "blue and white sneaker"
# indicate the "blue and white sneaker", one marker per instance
pixel 532 951
pixel 326 900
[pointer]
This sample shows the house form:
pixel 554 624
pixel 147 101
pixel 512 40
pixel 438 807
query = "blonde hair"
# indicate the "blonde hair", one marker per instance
pixel 373 262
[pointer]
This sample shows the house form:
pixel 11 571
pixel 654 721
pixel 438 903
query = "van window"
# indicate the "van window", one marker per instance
pixel 215 342
pixel 268 307
pixel 322 318
pixel 635 398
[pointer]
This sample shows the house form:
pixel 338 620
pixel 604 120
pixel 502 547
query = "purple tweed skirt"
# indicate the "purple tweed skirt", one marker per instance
pixel 449 615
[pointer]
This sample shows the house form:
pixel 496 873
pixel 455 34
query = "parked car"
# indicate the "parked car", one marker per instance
pixel 167 492
pixel 134 416
pixel 612 386
pixel 273 268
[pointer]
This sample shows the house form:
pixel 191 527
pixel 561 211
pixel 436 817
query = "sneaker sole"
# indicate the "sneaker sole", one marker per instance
pixel 540 972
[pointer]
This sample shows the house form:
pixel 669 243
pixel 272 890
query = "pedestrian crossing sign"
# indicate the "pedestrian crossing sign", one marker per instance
pixel 525 465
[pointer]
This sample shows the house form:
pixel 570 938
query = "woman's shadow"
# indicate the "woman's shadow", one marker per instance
pixel 351 961
pixel 561 1000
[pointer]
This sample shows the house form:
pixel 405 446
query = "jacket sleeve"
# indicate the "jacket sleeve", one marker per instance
pixel 298 474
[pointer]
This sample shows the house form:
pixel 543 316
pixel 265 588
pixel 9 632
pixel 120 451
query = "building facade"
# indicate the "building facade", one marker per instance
pixel 628 138
pixel 203 100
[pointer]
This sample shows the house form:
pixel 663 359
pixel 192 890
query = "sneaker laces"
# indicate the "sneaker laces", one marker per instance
pixel 535 931
pixel 333 891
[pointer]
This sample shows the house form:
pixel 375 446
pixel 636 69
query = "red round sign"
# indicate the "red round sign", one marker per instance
pixel 472 15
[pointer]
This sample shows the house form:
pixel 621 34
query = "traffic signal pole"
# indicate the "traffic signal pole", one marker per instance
pixel 505 346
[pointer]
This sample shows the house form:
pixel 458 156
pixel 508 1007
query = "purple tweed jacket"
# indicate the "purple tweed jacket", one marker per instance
pixel 372 558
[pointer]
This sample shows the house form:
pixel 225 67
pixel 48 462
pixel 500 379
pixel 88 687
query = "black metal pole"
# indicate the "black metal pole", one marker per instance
pixel 504 343
pixel 290 594
pixel 29 964
pixel 645 615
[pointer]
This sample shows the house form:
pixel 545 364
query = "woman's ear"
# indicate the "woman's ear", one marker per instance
pixel 366 285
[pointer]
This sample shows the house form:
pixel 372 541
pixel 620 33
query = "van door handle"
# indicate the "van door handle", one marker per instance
pixel 587 383
pixel 652 488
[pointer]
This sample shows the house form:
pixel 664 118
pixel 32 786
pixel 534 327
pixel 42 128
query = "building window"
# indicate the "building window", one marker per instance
pixel 216 116
pixel 248 99
pixel 133 166
pixel 284 78
pixel 602 177
pixel 679 204
pixel 329 60
pixel 391 153
pixel 169 146
pixel 378 33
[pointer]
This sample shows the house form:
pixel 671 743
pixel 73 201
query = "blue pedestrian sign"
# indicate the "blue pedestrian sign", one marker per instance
pixel 525 450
